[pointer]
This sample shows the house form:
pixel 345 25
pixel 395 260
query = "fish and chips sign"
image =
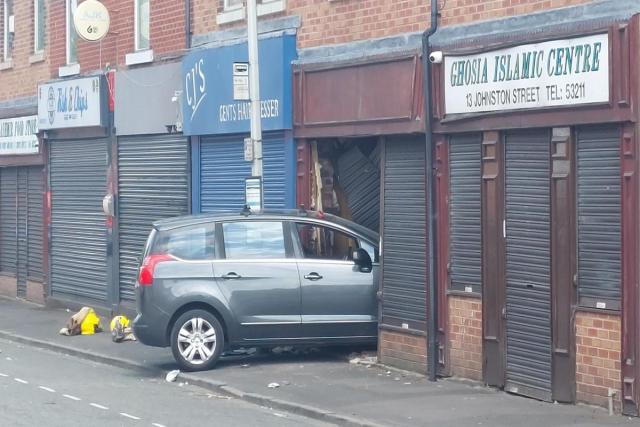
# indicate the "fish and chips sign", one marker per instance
pixel 550 74
pixel 18 135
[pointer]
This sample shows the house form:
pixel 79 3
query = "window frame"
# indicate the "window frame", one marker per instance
pixel 286 235
pixel 38 31
pixel 136 29
pixel 6 53
pixel 226 7
pixel 70 6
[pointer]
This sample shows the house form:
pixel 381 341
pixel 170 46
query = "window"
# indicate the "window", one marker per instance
pixel 7 29
pixel 233 4
pixel 191 244
pixel 142 25
pixel 254 240
pixel 38 28
pixel 72 37
pixel 325 243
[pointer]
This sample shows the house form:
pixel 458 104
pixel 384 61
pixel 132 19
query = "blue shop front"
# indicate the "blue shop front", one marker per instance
pixel 218 125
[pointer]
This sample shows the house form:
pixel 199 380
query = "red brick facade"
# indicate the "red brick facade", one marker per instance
pixel 403 350
pixel 465 337
pixel 19 77
pixel 598 357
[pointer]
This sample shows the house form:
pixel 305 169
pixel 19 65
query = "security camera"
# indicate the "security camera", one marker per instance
pixel 436 57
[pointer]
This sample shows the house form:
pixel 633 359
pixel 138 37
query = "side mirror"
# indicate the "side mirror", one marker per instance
pixel 362 259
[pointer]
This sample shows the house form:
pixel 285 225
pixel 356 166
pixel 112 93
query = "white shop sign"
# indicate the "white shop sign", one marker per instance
pixel 18 135
pixel 70 103
pixel 555 73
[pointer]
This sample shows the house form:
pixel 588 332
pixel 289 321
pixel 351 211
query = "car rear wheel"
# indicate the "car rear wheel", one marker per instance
pixel 197 340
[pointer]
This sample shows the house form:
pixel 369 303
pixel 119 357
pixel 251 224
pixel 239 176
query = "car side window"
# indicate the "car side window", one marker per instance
pixel 319 242
pixel 254 240
pixel 188 243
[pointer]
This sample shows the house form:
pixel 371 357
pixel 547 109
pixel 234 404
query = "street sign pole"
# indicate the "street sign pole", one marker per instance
pixel 254 90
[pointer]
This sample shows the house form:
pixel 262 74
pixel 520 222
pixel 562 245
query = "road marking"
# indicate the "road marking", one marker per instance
pixel 68 396
pixel 3 375
pixel 158 425
pixel 124 414
pixel 21 381
pixel 50 390
pixel 95 405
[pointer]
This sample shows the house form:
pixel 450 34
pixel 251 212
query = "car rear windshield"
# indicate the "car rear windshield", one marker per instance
pixel 188 243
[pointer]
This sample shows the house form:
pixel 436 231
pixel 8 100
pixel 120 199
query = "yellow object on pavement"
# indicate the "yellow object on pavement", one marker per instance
pixel 90 324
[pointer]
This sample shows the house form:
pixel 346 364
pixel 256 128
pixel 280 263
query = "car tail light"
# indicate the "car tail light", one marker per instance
pixel 145 277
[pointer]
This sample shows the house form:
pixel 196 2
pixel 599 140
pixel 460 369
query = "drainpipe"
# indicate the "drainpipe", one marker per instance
pixel 187 23
pixel 432 310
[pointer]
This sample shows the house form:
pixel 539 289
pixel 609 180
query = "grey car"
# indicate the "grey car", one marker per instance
pixel 208 284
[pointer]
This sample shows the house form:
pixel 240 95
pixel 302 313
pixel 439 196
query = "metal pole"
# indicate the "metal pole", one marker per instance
pixel 254 89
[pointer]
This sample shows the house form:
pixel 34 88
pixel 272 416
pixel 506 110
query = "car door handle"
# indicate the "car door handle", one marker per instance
pixel 313 276
pixel 231 276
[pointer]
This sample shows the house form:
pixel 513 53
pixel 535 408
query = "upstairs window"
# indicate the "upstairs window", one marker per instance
pixel 233 4
pixel 8 28
pixel 72 37
pixel 142 25
pixel 38 27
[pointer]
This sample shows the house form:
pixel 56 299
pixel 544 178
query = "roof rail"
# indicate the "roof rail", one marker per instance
pixel 246 210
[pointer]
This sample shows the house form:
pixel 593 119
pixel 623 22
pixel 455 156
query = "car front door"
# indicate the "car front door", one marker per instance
pixel 338 297
pixel 258 275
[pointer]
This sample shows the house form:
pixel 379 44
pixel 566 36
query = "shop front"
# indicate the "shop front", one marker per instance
pixel 73 116
pixel 21 220
pixel 536 144
pixel 361 155
pixel 152 163
pixel 216 115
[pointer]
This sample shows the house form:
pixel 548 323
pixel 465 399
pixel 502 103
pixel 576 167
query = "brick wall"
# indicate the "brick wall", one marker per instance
pixel 166 33
pixel 598 345
pixel 403 351
pixel 327 22
pixel 22 78
pixel 465 337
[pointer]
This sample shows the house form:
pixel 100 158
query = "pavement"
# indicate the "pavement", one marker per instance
pixel 320 385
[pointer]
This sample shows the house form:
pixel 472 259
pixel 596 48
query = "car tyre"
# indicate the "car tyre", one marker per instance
pixel 197 340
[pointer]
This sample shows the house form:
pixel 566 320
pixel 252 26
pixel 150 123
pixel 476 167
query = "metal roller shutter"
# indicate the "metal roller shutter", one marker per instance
pixel 34 224
pixel 404 234
pixel 153 184
pixel 599 217
pixel 465 228
pixel 223 171
pixel 528 267
pixel 78 235
pixel 8 220
pixel 21 229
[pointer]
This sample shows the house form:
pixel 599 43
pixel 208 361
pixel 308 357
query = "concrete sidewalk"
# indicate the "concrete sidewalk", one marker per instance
pixel 322 385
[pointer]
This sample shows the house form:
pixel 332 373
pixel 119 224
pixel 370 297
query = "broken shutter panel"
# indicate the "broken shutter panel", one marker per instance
pixel 599 217
pixel 404 234
pixel 153 184
pixel 8 220
pixel 465 212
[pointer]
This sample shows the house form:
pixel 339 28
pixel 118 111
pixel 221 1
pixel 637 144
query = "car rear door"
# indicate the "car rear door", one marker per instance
pixel 338 299
pixel 258 275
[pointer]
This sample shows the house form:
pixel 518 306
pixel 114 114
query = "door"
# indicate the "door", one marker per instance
pixel 528 265
pixel 78 182
pixel 22 229
pixel 337 298
pixel 153 184
pixel 259 278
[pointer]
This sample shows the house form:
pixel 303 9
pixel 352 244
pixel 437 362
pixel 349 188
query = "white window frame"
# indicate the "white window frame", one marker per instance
pixel 5 32
pixel 36 28
pixel 136 34
pixel 70 6
pixel 228 7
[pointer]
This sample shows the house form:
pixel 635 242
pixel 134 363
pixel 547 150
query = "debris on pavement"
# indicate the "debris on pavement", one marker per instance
pixel 121 329
pixel 273 385
pixel 84 322
pixel 171 376
pixel 363 359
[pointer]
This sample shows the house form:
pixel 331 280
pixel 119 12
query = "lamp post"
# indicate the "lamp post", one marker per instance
pixel 254 91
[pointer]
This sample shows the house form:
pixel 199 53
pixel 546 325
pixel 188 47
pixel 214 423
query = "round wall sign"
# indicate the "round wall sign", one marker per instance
pixel 91 20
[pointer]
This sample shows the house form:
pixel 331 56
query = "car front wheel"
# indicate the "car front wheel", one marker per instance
pixel 197 340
